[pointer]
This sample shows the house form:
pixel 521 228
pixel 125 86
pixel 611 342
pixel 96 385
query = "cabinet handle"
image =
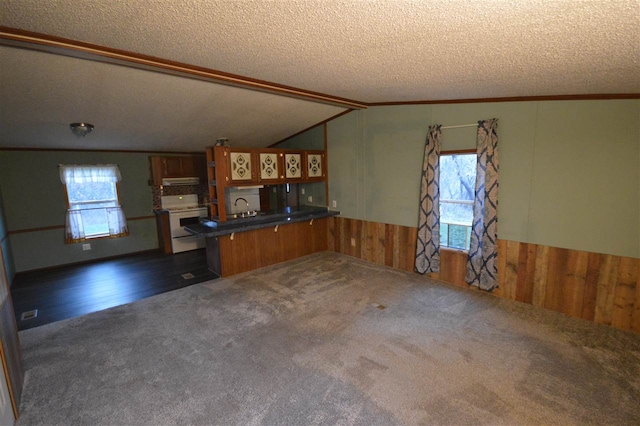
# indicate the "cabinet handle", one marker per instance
pixel 311 222
pixel 276 228
pixel 233 234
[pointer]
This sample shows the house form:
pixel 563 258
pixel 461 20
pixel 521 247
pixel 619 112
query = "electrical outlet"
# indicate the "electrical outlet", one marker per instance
pixel 334 204
pixel 310 198
pixel 353 242
pixel 302 191
pixel 86 247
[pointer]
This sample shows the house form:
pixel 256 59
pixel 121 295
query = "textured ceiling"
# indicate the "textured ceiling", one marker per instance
pixel 133 109
pixel 373 51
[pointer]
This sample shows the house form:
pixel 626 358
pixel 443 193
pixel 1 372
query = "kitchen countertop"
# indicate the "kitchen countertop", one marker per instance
pixel 213 228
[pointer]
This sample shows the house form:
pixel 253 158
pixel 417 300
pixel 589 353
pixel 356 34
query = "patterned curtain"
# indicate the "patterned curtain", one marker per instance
pixel 428 245
pixel 482 264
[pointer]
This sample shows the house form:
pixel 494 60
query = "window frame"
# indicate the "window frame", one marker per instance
pixel 114 218
pixel 456 152
pixel 94 236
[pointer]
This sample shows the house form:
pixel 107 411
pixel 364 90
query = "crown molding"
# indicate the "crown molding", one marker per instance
pixel 51 44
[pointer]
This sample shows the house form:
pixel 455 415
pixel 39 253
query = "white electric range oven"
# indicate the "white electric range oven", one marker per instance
pixel 183 210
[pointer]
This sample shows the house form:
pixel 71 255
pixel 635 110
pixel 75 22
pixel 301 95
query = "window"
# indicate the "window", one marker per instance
pixel 457 187
pixel 93 206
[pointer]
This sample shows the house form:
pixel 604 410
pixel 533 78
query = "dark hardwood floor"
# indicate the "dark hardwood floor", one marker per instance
pixel 70 291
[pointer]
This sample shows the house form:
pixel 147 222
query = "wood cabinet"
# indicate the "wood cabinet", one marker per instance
pixel 270 166
pixel 237 167
pixel 245 251
pixel 293 170
pixel 315 165
pixel 177 167
pixel 240 166
pixel 163 229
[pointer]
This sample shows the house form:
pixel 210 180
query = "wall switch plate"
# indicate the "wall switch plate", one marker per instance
pixel 86 247
pixel 334 204
pixel 353 242
pixel 302 191
pixel 310 198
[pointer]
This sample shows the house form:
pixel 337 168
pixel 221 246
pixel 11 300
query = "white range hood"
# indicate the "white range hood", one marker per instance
pixel 181 181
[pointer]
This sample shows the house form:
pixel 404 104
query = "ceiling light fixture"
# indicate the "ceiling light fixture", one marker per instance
pixel 81 129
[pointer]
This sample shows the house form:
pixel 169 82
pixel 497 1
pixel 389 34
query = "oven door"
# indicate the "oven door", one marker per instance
pixel 182 240
pixel 178 220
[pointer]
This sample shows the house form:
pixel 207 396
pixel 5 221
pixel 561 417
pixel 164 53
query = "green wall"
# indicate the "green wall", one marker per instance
pixel 569 170
pixel 6 245
pixel 311 139
pixel 34 198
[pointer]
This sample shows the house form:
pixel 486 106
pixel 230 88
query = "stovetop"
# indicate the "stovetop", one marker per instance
pixel 179 202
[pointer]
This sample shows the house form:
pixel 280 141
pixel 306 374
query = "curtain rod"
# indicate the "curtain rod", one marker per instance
pixel 458 126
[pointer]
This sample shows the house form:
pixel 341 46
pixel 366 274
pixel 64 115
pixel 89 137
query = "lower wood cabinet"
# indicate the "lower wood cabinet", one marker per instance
pixel 164 232
pixel 267 246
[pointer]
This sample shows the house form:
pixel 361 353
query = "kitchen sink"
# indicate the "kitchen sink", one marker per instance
pixel 251 213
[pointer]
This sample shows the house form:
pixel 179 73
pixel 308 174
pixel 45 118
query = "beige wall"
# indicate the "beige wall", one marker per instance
pixel 569 170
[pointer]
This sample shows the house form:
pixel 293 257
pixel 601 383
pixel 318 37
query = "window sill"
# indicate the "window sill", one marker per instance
pixel 455 250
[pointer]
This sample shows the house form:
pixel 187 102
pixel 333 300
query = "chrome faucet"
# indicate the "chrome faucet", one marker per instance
pixel 247 213
pixel 240 198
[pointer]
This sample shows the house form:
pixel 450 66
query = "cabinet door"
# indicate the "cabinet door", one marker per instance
pixel 173 167
pixel 177 167
pixel 240 166
pixel 193 166
pixel 293 165
pixel 188 167
pixel 315 165
pixel 270 166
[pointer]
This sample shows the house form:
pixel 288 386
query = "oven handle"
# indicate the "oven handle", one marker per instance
pixel 185 236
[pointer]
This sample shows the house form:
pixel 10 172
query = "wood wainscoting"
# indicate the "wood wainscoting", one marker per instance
pixel 249 250
pixel 597 287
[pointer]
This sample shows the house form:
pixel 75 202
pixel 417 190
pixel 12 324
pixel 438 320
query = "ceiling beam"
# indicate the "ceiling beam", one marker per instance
pixel 51 44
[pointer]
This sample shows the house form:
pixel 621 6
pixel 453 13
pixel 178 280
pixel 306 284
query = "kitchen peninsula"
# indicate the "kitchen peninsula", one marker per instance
pixel 272 236
pixel 258 215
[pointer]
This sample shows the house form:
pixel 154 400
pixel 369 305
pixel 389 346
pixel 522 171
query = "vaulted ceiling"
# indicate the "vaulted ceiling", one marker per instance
pixel 330 55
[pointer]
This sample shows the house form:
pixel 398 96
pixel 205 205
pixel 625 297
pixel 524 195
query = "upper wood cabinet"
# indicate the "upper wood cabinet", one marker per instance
pixel 270 166
pixel 229 167
pixel 240 166
pixel 293 166
pixel 177 167
pixel 315 165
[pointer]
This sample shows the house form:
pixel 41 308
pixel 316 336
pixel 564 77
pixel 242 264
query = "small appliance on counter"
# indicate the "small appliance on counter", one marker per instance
pixel 183 210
